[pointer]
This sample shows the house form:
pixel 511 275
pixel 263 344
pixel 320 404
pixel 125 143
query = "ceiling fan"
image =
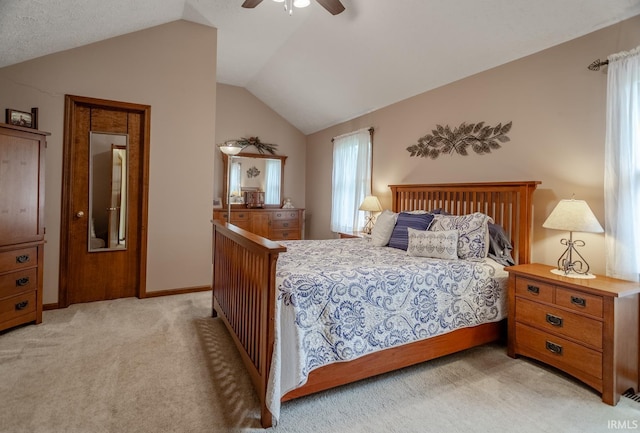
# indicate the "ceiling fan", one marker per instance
pixel 333 6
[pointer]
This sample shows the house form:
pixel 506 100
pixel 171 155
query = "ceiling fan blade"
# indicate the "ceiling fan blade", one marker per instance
pixel 333 6
pixel 251 3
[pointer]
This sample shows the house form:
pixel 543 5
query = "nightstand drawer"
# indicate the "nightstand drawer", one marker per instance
pixel 560 322
pixel 583 302
pixel 535 290
pixel 559 352
pixel 18 282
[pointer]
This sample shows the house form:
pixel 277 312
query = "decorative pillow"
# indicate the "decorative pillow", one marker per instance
pixel 438 245
pixel 381 232
pixel 473 233
pixel 499 246
pixel 400 236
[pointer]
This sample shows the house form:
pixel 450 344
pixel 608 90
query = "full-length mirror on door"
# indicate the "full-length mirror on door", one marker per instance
pixel 108 166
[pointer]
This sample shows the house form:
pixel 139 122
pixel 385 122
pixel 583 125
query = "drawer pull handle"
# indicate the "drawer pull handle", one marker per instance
pixel 21 282
pixel 554 348
pixel 580 302
pixel 21 305
pixel 23 258
pixel 554 320
pixel 285 224
pixel 533 289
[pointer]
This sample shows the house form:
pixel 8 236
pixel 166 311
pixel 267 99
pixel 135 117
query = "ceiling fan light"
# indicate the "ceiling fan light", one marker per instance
pixel 301 3
pixel 278 1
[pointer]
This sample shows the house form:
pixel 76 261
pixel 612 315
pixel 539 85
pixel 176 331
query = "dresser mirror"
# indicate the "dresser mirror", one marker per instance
pixel 107 225
pixel 253 172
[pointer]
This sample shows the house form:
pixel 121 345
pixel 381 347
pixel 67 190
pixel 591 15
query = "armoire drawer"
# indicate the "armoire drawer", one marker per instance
pixel 18 259
pixel 18 306
pixel 18 282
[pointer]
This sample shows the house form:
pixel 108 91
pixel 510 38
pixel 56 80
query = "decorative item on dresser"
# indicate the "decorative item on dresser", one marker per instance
pixel 270 223
pixel 22 153
pixel 247 298
pixel 587 328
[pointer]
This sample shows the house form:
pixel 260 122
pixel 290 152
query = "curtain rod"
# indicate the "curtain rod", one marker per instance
pixel 349 133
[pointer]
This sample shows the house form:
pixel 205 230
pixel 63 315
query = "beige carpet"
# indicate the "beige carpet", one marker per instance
pixel 163 365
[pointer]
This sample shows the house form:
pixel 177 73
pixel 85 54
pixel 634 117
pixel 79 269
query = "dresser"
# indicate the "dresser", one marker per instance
pixel 21 224
pixel 587 328
pixel 275 224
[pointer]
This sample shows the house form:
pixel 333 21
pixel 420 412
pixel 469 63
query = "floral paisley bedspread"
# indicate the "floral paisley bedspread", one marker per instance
pixel 340 299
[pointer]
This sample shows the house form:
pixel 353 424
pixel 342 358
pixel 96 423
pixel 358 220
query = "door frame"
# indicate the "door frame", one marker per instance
pixel 70 104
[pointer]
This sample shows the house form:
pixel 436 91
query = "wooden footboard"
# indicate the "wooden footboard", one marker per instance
pixel 243 279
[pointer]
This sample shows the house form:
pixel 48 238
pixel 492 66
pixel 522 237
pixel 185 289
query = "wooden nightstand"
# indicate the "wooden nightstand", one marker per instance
pixel 587 328
pixel 352 235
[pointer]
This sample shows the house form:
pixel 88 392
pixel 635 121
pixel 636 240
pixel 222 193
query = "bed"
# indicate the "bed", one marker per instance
pixel 247 296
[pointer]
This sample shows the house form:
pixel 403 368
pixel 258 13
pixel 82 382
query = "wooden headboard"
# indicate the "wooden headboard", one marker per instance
pixel 510 204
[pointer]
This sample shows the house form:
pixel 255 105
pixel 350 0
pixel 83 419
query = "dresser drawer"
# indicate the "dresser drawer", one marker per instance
pixel 18 259
pixel 17 306
pixel 284 235
pixel 285 224
pixel 285 215
pixel 560 322
pixel 564 354
pixel 534 290
pixel 18 282
pixel 583 302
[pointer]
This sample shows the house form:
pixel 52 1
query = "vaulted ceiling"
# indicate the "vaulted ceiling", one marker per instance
pixel 316 69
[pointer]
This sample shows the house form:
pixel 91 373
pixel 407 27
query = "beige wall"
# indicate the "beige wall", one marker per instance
pixel 172 68
pixel 240 114
pixel 558 111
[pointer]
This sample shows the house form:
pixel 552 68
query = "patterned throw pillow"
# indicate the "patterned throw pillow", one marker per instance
pixel 400 236
pixel 437 245
pixel 473 231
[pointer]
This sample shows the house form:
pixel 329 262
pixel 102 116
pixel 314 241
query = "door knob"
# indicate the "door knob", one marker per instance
pixel 80 214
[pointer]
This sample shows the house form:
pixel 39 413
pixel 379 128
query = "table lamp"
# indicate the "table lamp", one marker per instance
pixel 573 216
pixel 370 204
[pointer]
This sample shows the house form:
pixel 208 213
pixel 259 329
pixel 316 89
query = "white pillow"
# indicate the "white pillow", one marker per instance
pixel 473 230
pixel 438 245
pixel 381 232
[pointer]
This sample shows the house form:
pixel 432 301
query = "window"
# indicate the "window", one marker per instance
pixel 272 181
pixel 351 179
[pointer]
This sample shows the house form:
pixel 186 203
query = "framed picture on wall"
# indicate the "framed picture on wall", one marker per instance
pixel 20 118
pixel 217 203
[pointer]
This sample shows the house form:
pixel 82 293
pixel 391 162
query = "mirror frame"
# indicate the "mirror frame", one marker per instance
pixel 225 168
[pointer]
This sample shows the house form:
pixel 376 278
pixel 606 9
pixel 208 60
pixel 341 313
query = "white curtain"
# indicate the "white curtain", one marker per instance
pixel 235 179
pixel 272 181
pixel 622 166
pixel 351 180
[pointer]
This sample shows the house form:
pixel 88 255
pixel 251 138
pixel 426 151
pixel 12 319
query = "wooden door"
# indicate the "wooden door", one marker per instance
pixel 91 269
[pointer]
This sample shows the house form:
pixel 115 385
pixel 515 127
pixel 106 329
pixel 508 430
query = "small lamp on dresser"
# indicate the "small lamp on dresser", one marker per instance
pixel 573 216
pixel 370 204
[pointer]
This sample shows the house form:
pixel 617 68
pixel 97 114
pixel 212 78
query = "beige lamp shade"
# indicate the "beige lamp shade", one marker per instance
pixel 573 216
pixel 371 204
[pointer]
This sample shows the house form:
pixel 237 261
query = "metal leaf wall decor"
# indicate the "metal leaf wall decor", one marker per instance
pixel 443 140
pixel 255 141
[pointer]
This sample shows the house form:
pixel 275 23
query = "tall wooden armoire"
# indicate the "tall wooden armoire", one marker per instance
pixel 22 155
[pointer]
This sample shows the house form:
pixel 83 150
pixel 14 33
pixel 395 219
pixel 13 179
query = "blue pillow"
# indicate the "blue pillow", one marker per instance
pixel 400 235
